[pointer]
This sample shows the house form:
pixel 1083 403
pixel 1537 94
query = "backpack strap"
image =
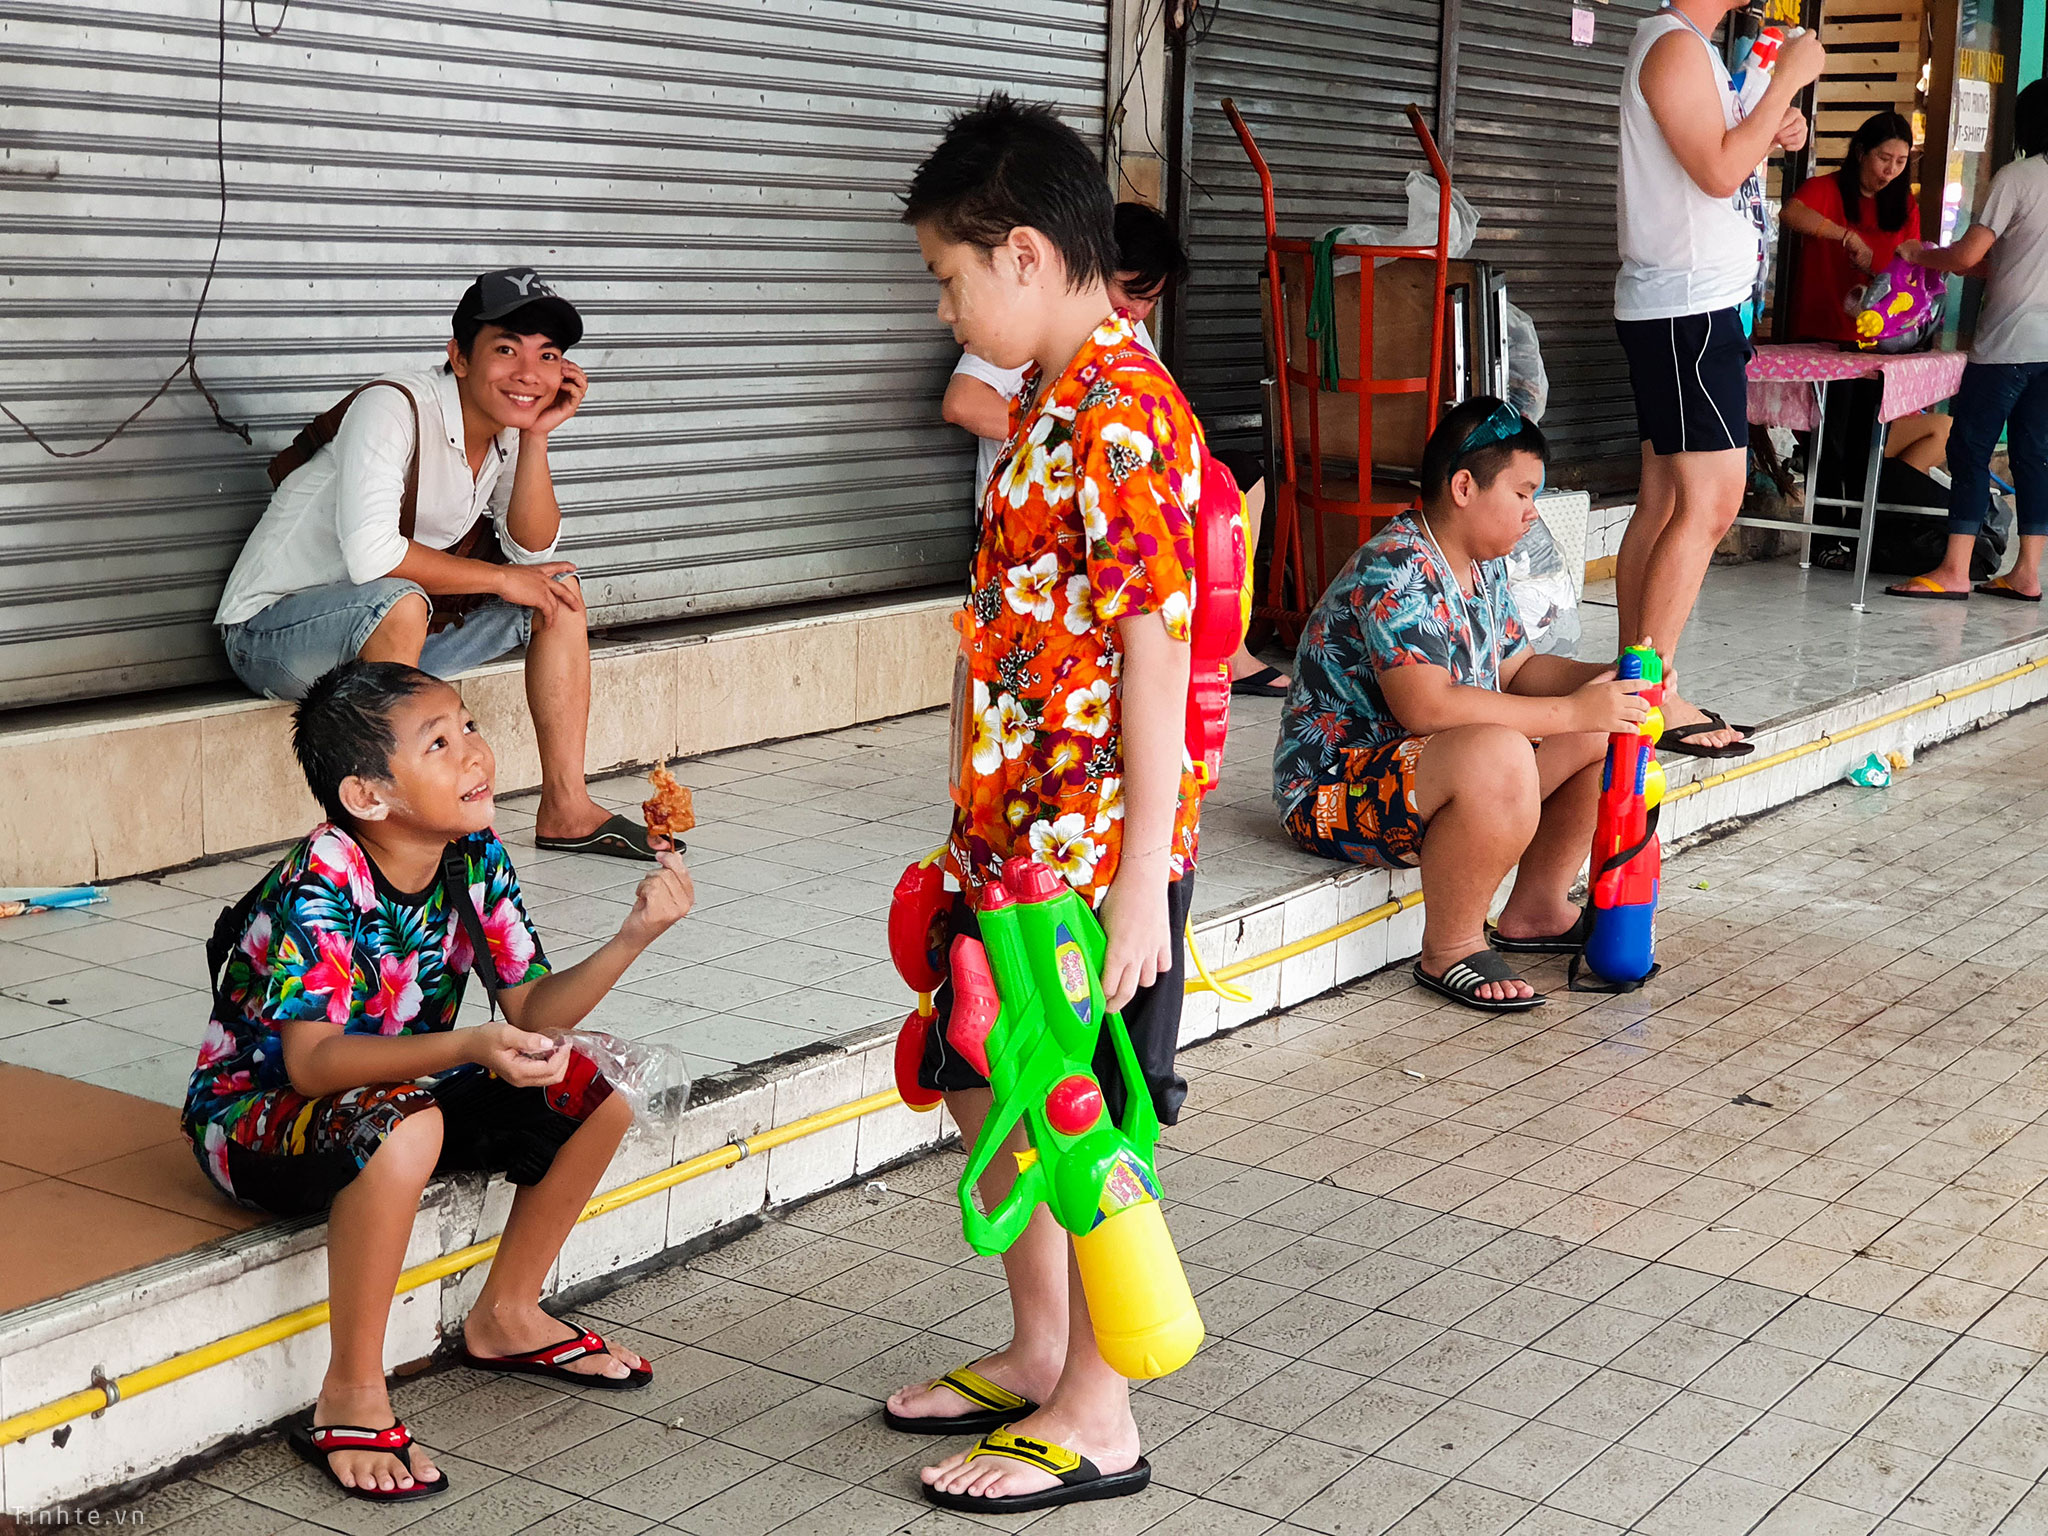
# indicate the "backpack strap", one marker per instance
pixel 227 933
pixel 319 432
pixel 455 895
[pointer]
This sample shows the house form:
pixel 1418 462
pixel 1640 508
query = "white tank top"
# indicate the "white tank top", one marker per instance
pixel 1683 251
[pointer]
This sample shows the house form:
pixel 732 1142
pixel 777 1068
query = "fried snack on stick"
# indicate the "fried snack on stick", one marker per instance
pixel 669 812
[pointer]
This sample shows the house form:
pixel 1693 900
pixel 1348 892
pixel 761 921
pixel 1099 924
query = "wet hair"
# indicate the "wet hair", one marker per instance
pixel 1445 453
pixel 2030 119
pixel 1008 164
pixel 342 727
pixel 1146 248
pixel 1895 201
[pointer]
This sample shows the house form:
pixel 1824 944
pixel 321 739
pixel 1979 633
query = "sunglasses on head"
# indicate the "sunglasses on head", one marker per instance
pixel 1504 425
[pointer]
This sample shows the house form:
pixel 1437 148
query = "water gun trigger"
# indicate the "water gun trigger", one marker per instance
pixel 976 1003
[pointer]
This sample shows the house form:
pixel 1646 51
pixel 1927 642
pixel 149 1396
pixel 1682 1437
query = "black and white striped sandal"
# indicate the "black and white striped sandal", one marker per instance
pixel 1462 980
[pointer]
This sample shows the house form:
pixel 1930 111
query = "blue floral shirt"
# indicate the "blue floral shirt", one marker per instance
pixel 330 938
pixel 1395 604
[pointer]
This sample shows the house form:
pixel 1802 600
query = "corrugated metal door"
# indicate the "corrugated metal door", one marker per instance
pixel 1323 84
pixel 1536 149
pixel 714 184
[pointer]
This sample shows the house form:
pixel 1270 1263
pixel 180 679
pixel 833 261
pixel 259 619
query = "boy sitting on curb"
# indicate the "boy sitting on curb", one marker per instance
pixel 1421 729
pixel 1069 729
pixel 348 966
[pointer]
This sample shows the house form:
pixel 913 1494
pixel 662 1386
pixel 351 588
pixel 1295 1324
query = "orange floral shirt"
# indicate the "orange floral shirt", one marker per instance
pixel 1088 518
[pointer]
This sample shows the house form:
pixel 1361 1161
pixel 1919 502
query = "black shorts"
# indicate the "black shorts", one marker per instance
pixel 292 1155
pixel 1691 381
pixel 1152 1018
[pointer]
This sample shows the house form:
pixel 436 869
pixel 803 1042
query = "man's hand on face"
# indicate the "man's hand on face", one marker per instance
pixel 575 385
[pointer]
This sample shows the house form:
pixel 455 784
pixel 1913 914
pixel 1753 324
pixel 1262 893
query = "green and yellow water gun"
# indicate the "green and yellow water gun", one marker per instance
pixel 1028 1012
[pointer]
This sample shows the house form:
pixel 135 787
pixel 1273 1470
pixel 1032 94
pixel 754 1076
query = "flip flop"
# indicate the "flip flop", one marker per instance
pixel 1262 684
pixel 317 1443
pixel 1926 591
pixel 1998 586
pixel 553 1363
pixel 1462 981
pixel 999 1406
pixel 618 838
pixel 1570 942
pixel 1678 738
pixel 1080 1480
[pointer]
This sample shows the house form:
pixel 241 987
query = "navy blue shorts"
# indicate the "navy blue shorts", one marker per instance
pixel 1691 381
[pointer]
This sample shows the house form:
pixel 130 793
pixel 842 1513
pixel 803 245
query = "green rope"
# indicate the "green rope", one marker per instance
pixel 1322 307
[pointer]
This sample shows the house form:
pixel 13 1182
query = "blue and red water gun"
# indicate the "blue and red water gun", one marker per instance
pixel 1621 944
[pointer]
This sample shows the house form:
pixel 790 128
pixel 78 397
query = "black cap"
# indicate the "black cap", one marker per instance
pixel 498 295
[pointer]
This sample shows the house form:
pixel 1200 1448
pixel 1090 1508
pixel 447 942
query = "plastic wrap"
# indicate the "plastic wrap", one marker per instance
pixel 1546 599
pixel 1528 382
pixel 1421 228
pixel 649 1076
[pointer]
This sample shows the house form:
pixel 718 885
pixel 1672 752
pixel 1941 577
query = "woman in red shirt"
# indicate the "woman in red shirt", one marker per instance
pixel 1853 222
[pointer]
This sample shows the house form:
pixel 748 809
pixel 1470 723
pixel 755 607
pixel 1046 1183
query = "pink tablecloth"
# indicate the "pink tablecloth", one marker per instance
pixel 1785 380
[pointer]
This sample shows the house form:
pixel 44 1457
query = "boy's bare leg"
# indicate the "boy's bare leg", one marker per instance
pixel 506 1318
pixel 1476 786
pixel 1244 663
pixel 558 696
pixel 1686 503
pixel 1089 1412
pixel 1036 1268
pixel 367 1230
pixel 1568 774
pixel 401 634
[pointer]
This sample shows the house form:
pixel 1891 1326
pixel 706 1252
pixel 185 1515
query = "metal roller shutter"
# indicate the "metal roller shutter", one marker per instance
pixel 1323 84
pixel 1536 148
pixel 714 184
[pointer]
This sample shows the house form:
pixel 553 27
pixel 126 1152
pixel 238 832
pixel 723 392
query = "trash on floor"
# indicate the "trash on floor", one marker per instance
pixel 1872 773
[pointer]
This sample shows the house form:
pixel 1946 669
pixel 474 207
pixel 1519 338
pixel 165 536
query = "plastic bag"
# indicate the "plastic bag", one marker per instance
pixel 1528 382
pixel 1545 597
pixel 1872 773
pixel 649 1076
pixel 1421 228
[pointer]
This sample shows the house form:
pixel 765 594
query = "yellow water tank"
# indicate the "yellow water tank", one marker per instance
pixel 1146 1324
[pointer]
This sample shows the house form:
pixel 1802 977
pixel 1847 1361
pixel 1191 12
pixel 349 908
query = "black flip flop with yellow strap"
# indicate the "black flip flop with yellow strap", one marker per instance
pixel 1080 1480
pixel 618 838
pixel 998 1406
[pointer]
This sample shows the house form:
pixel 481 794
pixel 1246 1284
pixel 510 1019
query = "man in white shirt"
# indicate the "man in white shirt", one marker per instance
pixel 421 527
pixel 1690 254
pixel 978 398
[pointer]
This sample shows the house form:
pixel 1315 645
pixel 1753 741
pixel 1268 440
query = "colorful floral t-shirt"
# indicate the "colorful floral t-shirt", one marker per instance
pixel 1088 518
pixel 330 938
pixel 1395 604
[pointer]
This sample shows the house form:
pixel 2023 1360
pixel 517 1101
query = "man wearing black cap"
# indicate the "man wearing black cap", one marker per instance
pixel 416 521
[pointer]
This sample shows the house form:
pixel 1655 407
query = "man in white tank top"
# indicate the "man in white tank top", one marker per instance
pixel 1690 253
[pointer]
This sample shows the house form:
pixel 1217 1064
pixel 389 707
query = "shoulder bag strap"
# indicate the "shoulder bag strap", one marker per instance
pixel 455 895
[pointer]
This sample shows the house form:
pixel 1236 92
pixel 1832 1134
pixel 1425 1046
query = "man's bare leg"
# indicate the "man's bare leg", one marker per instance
pixel 558 695
pixel 402 633
pixel 1089 1412
pixel 1477 787
pixel 1692 499
pixel 1568 773
pixel 1036 1268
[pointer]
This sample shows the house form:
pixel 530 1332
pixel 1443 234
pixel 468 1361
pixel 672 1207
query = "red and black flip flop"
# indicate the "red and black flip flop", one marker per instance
pixel 553 1362
pixel 318 1442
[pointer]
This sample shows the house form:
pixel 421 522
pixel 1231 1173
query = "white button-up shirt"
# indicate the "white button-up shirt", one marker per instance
pixel 335 518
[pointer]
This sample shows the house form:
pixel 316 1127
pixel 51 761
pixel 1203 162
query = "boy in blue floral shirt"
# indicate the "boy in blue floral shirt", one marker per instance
pixel 1422 730
pixel 339 997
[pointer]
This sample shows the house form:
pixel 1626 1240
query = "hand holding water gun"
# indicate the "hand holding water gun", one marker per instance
pixel 1627 859
pixel 1028 1013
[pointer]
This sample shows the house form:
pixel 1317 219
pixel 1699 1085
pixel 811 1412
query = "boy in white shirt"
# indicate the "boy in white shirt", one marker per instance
pixel 418 524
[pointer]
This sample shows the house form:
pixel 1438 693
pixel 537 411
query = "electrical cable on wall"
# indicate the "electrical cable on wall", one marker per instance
pixel 188 366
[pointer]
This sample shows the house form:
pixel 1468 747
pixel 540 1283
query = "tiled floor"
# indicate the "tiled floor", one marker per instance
pixel 1757 1250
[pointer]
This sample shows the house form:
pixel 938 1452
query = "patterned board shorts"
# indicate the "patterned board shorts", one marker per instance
pixel 1368 815
pixel 281 1152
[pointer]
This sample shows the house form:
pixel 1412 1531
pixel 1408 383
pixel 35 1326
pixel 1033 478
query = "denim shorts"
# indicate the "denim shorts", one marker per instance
pixel 281 651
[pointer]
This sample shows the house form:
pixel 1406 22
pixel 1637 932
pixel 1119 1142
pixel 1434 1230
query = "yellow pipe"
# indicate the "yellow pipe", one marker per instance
pixel 95 1399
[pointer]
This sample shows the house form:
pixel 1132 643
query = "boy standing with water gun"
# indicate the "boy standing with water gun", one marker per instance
pixel 1069 710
